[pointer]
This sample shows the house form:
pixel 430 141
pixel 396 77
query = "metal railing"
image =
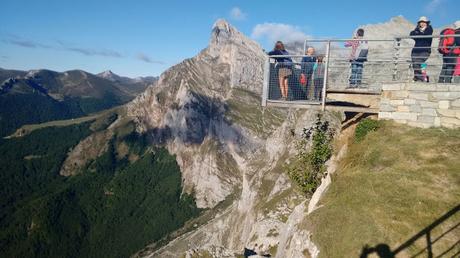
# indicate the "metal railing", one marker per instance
pixel 294 80
pixel 388 60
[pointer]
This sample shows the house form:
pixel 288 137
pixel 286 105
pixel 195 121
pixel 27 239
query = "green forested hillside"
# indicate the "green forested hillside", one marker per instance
pixel 112 209
pixel 17 110
pixel 43 95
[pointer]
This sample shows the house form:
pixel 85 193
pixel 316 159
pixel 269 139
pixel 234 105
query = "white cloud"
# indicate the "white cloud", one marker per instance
pixel 145 58
pixel 433 5
pixel 278 31
pixel 237 14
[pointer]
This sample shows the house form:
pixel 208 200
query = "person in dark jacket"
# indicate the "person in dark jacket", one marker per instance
pixel 307 65
pixel 284 67
pixel 422 47
pixel 308 61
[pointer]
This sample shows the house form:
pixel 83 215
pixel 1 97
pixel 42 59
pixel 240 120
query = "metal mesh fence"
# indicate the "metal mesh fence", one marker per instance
pixel 425 64
pixel 395 60
pixel 334 67
pixel 296 79
pixel 347 73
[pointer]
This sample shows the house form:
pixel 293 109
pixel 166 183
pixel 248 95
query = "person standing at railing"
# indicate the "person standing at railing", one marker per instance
pixel 358 55
pixel 284 67
pixel 318 77
pixel 422 47
pixel 307 66
pixel 449 51
pixel 457 49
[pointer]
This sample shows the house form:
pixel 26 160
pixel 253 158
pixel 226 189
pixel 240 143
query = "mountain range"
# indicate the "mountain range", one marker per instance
pixel 36 96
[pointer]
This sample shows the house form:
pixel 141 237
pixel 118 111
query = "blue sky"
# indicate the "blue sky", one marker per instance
pixel 138 38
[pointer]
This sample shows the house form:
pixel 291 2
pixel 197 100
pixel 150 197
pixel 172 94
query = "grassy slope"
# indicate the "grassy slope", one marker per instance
pixel 390 186
pixel 28 128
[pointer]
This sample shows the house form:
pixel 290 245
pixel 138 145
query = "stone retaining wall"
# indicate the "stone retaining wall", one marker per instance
pixel 421 104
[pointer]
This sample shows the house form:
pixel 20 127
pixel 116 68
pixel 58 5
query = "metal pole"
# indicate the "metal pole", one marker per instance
pixel 397 46
pixel 266 81
pixel 304 47
pixel 326 74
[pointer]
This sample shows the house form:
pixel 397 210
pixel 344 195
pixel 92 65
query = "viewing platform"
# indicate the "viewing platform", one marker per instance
pixel 385 86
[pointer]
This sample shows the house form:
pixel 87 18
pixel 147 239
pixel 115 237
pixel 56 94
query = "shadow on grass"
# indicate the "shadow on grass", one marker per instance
pixel 384 251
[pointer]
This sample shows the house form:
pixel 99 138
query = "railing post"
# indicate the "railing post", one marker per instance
pixel 266 81
pixel 304 47
pixel 326 74
pixel 429 248
pixel 397 45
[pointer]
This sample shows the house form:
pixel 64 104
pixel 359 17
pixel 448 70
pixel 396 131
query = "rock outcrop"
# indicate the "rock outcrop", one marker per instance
pixel 188 110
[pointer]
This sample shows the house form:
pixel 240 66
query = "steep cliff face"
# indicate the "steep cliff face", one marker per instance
pixel 207 111
pixel 189 111
pixel 245 57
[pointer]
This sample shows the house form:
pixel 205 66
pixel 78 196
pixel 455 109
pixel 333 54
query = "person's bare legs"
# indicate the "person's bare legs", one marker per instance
pixel 286 86
pixel 281 84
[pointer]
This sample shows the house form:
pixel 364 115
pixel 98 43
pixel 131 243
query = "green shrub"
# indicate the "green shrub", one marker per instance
pixel 364 127
pixel 308 168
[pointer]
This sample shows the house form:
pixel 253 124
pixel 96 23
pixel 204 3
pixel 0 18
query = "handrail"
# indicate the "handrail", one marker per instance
pixel 276 56
pixel 344 40
pixel 326 72
pixel 388 60
pixel 429 36
pixel 396 38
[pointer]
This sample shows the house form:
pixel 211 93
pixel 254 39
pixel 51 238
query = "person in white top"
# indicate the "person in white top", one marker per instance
pixel 358 55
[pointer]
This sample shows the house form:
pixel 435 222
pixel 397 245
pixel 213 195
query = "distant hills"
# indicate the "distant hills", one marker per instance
pixel 109 75
pixel 38 96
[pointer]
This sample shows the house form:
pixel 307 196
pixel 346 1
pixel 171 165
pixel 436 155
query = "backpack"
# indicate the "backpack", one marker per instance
pixel 362 57
pixel 446 43
pixel 363 51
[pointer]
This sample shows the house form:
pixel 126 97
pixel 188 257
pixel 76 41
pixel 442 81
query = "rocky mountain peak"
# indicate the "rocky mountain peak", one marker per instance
pixel 107 73
pixel 188 111
pixel 32 73
pixel 243 55
pixel 222 32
